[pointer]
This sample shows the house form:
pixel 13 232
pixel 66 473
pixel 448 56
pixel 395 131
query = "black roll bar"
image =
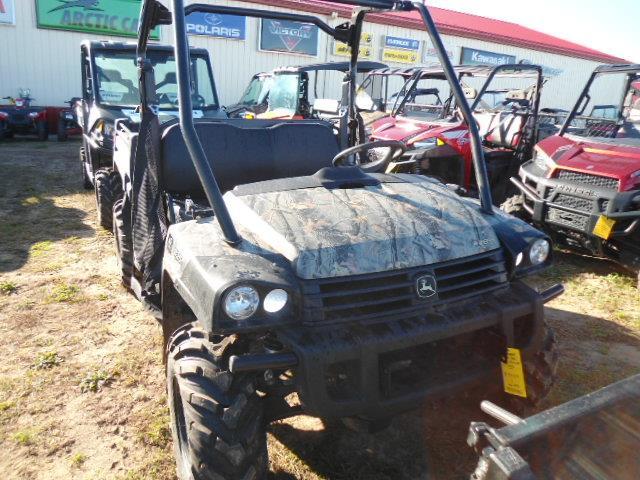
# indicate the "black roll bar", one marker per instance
pixel 153 13
pixel 482 180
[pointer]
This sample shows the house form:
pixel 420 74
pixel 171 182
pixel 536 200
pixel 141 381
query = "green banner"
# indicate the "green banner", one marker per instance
pixel 106 17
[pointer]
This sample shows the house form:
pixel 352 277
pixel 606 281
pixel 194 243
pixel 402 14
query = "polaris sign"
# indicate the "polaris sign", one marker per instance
pixel 471 56
pixel 215 25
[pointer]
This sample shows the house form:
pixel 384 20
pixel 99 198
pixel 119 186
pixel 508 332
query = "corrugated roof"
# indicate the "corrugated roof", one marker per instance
pixel 463 25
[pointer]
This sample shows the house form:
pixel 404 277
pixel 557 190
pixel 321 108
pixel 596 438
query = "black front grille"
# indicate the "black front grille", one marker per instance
pixel 568 219
pixel 588 179
pixel 18 117
pixel 392 295
pixel 578 203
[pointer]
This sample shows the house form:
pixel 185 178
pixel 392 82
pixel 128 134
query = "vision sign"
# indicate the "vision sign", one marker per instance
pixel 106 17
pixel 289 37
pixel 214 25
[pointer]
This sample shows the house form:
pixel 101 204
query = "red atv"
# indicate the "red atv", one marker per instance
pixel 21 118
pixel 425 117
pixel 583 184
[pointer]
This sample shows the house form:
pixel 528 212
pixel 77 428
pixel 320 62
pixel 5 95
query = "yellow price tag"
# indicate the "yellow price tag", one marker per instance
pixel 604 227
pixel 513 374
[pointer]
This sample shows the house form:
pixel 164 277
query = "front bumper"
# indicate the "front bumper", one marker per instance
pixel 567 205
pixel 381 369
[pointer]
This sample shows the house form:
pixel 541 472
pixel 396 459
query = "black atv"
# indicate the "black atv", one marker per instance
pixel 68 119
pixel 110 92
pixel 278 265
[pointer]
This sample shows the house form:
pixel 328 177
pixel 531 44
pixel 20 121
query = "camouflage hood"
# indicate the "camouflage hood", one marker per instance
pixel 337 232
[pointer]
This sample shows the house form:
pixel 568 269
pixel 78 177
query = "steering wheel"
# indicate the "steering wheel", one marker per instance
pixel 396 149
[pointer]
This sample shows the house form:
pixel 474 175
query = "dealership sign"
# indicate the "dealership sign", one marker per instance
pixel 404 43
pixel 289 37
pixel 430 56
pixel 341 49
pixel 471 56
pixel 7 12
pixel 107 17
pixel 214 25
pixel 399 56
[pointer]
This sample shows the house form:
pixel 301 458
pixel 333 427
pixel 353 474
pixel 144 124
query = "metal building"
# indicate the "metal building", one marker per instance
pixel 40 44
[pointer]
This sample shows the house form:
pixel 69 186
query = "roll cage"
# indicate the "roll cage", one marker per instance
pixel 469 71
pixel 154 13
pixel 632 72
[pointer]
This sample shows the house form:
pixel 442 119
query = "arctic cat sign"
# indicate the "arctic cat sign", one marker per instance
pixel 106 17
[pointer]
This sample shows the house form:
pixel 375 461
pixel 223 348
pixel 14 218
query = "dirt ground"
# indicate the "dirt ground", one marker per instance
pixel 81 381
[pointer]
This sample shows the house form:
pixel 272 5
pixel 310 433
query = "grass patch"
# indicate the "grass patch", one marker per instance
pixel 6 405
pixel 103 297
pixel 156 431
pixel 95 381
pixel 46 360
pixel 30 201
pixel 40 248
pixel 24 437
pixel 8 287
pixel 64 293
pixel 78 460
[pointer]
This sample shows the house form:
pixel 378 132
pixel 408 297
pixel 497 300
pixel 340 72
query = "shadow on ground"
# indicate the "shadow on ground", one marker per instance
pixel 34 174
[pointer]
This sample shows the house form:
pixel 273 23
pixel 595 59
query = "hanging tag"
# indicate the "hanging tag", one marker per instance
pixel 513 374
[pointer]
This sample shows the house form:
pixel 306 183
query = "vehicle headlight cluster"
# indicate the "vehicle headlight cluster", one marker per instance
pixel 536 254
pixel 426 143
pixel 243 301
pixel 543 161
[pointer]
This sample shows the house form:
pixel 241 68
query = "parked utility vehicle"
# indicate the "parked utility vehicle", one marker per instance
pixel 110 92
pixel 426 118
pixel 254 99
pixel 279 265
pixel 68 119
pixel 583 184
pixel 20 117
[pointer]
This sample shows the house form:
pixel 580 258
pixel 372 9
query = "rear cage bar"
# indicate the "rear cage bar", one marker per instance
pixel 154 13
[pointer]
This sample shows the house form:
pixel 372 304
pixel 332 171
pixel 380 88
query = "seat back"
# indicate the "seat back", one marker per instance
pixel 246 151
pixel 501 129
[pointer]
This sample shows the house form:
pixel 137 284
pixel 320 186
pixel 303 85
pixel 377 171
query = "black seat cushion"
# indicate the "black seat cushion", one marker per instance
pixel 245 151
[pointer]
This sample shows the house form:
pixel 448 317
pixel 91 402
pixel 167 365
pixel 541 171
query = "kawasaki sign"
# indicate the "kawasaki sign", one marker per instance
pixel 106 17
pixel 471 56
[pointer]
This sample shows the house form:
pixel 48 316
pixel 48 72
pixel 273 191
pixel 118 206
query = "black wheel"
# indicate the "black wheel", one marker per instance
pixel 514 205
pixel 86 181
pixel 62 131
pixel 540 374
pixel 42 131
pixel 124 241
pixel 216 417
pixel 107 190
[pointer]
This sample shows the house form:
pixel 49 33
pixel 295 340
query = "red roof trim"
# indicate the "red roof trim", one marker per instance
pixel 459 24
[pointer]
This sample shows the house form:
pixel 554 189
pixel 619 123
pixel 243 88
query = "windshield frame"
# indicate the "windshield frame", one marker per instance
pixel 130 49
pixel 632 72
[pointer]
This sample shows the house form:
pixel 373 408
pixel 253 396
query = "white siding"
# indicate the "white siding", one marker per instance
pixel 47 61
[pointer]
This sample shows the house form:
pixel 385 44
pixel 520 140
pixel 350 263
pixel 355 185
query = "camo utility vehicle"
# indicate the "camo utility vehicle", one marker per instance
pixel 583 184
pixel 280 266
pixel 110 91
pixel 425 116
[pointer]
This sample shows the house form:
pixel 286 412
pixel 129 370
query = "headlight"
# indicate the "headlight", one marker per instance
pixel 275 300
pixel 542 160
pixel 34 114
pixel 424 144
pixel 539 251
pixel 241 302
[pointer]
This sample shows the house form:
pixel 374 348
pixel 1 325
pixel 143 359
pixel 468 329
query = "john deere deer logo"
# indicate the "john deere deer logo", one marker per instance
pixel 426 286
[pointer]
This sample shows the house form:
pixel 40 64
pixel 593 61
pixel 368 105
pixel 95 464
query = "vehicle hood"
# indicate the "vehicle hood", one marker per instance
pixel 616 157
pixel 397 128
pixel 350 231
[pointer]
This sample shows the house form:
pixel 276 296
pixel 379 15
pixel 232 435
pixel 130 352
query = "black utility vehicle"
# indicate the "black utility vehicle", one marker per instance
pixel 362 293
pixel 110 92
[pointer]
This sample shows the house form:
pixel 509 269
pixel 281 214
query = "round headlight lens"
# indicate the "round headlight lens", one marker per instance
pixel 241 302
pixel 275 300
pixel 539 251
